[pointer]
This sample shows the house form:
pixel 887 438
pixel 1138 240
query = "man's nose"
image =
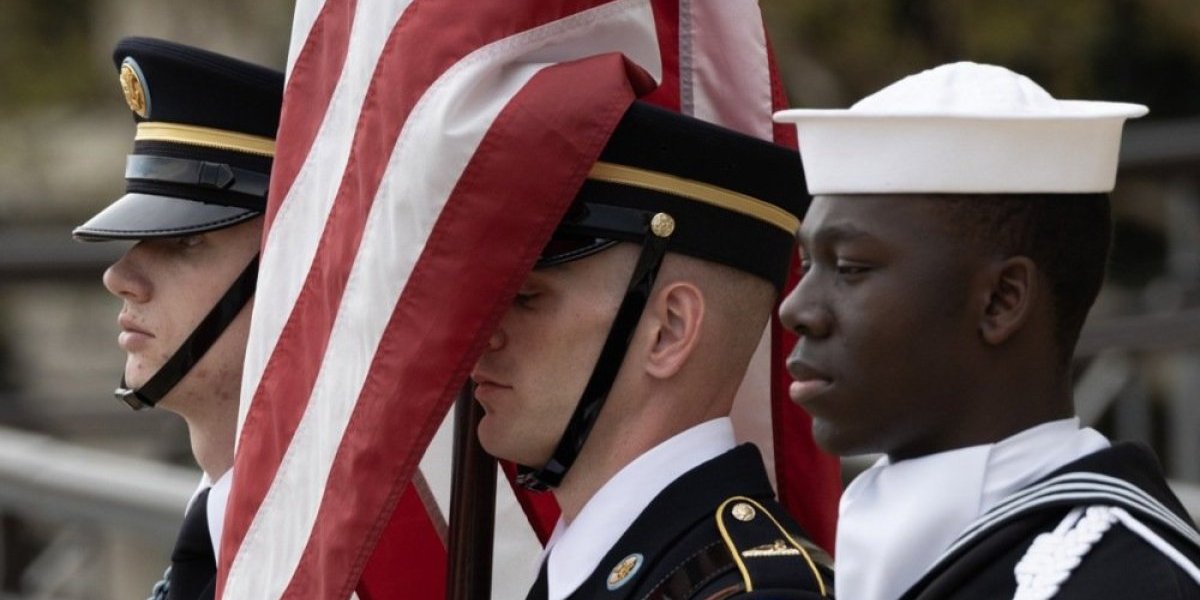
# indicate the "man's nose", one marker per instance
pixel 497 340
pixel 125 280
pixel 802 311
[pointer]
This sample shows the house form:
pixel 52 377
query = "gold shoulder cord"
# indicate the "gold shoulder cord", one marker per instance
pixel 737 555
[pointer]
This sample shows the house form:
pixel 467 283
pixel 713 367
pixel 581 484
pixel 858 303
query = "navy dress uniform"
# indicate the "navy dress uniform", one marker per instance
pixel 674 184
pixel 1104 526
pixel 1051 511
pixel 201 161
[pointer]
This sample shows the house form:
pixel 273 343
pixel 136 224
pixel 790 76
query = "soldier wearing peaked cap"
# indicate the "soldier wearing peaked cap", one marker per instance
pixel 612 375
pixel 196 187
pixel 957 238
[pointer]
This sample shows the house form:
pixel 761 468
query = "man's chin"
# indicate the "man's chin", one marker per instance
pixel 503 447
pixel 492 441
pixel 135 381
pixel 838 441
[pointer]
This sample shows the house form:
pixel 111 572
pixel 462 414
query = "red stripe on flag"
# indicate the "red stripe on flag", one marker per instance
pixel 666 25
pixel 489 233
pixel 315 74
pixel 540 508
pixel 428 39
pixel 784 133
pixel 413 554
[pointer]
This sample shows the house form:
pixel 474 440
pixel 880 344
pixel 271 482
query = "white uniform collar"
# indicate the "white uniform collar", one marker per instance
pixel 575 550
pixel 896 519
pixel 218 497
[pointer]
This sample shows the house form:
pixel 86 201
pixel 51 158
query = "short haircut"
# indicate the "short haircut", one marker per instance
pixel 739 304
pixel 1068 236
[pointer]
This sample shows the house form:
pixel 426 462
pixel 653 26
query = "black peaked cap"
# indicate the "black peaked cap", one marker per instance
pixel 204 146
pixel 735 199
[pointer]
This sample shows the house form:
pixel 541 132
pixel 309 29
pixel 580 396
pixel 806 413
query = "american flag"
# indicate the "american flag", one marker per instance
pixel 426 150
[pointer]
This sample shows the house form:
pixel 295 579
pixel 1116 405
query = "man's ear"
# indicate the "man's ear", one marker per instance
pixel 1013 288
pixel 678 312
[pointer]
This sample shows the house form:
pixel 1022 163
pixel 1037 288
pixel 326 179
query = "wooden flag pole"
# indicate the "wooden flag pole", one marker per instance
pixel 472 505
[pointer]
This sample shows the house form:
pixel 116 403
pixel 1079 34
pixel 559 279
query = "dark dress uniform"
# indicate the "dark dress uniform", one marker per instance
pixel 716 532
pixel 1107 558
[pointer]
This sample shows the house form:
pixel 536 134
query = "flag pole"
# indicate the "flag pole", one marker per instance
pixel 472 505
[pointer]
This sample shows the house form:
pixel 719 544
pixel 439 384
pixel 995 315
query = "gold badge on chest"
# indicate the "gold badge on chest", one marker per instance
pixel 624 571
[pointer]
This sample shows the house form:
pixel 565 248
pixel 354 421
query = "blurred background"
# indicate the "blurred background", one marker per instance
pixel 91 493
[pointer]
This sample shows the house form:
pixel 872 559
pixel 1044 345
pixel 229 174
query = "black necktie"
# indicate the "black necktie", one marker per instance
pixel 540 589
pixel 193 566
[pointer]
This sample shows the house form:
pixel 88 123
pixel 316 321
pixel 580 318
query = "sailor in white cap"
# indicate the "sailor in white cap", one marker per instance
pixel 957 239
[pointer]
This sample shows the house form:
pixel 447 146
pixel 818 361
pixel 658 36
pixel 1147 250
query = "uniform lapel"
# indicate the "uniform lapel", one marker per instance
pixel 672 514
pixel 193 566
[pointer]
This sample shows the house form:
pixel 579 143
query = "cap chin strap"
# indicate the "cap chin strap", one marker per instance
pixel 654 247
pixel 194 347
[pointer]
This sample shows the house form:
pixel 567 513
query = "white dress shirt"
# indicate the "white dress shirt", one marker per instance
pixel 576 549
pixel 218 497
pixel 896 519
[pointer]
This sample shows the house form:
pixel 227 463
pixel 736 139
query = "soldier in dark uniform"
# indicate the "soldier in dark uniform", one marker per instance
pixel 612 375
pixel 196 187
pixel 957 238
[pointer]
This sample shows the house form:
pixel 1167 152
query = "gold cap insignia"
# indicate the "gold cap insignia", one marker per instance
pixel 779 548
pixel 624 571
pixel 135 92
pixel 742 511
pixel 662 225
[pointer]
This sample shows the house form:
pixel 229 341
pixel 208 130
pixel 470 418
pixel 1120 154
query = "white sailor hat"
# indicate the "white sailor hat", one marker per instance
pixel 962 128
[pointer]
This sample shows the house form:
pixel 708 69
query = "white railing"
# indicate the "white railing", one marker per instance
pixel 51 479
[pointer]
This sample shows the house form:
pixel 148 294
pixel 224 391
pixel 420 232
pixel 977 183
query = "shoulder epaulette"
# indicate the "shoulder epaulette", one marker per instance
pixel 766 554
pixel 755 552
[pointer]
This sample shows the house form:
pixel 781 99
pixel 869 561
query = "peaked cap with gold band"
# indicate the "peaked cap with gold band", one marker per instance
pixel 201 161
pixel 672 183
pixel 205 140
pixel 732 198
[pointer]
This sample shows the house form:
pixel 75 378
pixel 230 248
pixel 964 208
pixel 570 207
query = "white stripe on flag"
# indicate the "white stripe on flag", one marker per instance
pixel 717 27
pixel 286 259
pixel 303 18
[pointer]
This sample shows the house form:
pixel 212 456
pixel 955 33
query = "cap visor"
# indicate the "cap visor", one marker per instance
pixel 141 216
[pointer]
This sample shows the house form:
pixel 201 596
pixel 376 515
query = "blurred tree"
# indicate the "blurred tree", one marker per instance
pixel 833 52
pixel 1150 53
pixel 39 42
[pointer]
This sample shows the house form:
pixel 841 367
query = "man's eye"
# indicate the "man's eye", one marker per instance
pixel 189 241
pixel 524 298
pixel 805 260
pixel 848 268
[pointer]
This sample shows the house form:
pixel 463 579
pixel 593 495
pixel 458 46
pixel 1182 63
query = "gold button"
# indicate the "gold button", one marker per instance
pixel 742 511
pixel 662 225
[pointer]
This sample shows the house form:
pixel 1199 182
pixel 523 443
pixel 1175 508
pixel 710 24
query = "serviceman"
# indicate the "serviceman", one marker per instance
pixel 957 238
pixel 612 375
pixel 196 187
